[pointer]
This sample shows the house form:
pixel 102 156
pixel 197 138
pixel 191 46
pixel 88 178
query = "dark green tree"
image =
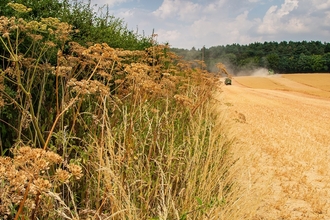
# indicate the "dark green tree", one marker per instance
pixel 273 60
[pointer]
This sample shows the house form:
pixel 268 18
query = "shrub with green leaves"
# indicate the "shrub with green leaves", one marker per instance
pixel 91 27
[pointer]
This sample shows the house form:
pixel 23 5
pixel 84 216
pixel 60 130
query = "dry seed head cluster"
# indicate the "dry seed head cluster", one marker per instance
pixel 139 71
pixel 183 100
pixel 30 166
pixel 75 170
pixel 52 26
pixel 62 176
pixel 114 67
pixel 143 72
pixel 85 87
pixel 35 37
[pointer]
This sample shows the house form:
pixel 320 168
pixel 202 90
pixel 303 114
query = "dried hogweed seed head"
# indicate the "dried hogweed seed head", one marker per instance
pixel 5 164
pixel 42 185
pixel 35 37
pixel 38 152
pixel 17 180
pixel 63 70
pixel 75 170
pixel 62 176
pixel 24 150
pixel 6 34
pixel 29 204
pixel 16 198
pixel 50 44
pixel 54 158
pixel 41 165
pixel 183 99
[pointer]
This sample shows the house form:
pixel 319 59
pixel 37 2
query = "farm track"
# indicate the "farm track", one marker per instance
pixel 284 132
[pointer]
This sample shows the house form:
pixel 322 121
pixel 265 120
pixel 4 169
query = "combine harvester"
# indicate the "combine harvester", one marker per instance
pixel 222 69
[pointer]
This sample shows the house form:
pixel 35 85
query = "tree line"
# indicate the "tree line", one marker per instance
pixel 280 57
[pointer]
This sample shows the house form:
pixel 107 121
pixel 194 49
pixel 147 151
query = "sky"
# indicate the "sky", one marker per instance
pixel 198 23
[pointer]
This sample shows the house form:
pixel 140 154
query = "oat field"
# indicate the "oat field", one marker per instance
pixel 282 127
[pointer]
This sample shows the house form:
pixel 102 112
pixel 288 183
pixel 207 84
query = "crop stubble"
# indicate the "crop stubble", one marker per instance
pixel 285 144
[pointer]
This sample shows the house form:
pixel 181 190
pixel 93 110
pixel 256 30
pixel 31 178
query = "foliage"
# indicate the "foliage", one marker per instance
pixel 283 57
pixel 89 26
pixel 135 129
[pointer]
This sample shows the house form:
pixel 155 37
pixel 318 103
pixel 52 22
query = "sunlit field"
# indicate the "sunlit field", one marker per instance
pixel 258 82
pixel 285 135
pixel 320 81
pixel 309 84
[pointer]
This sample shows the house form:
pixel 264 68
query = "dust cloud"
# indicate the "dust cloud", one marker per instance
pixel 254 72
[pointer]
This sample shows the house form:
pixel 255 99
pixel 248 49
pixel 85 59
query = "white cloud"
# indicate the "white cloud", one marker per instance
pixel 321 4
pixel 126 14
pixel 277 19
pixel 184 10
pixel 242 17
pixel 296 25
pixel 213 11
pixel 210 8
pixel 327 19
pixel 188 23
pixel 171 36
pixel 166 9
pixel 201 27
pixel 287 7
pixel 210 31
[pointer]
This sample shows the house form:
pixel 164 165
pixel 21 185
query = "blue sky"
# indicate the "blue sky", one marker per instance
pixel 195 23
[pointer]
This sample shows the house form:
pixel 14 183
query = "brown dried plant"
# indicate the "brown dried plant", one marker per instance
pixel 27 178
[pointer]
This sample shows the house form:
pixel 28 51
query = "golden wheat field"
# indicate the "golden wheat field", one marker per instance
pixel 282 128
pixel 320 81
pixel 310 84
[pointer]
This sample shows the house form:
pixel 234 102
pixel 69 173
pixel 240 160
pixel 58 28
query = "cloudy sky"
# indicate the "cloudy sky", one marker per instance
pixel 198 23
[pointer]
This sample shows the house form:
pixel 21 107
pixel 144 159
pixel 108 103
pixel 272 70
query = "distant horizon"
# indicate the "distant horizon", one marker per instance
pixel 323 42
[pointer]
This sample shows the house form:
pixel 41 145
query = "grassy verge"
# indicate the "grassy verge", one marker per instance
pixel 105 133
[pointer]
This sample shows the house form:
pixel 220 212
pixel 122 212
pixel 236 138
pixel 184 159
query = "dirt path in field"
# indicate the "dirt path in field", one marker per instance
pixel 286 138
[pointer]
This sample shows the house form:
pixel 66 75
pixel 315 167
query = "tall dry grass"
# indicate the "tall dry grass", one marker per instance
pixel 162 169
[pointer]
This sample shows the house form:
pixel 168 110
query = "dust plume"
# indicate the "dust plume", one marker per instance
pixel 253 72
